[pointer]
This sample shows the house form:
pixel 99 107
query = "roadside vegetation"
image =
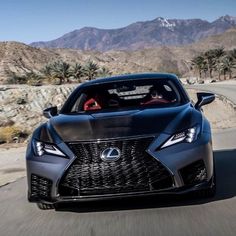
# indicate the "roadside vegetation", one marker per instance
pixel 60 72
pixel 9 134
pixel 214 64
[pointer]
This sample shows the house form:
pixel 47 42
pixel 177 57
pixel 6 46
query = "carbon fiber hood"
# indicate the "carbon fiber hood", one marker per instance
pixel 102 125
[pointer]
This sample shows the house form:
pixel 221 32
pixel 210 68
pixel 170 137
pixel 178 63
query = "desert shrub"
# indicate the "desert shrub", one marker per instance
pixel 11 133
pixel 17 80
pixel 34 79
pixel 37 82
pixel 56 81
pixel 104 72
pixel 30 78
pixel 21 101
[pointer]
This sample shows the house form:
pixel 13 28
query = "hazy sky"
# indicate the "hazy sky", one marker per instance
pixel 35 20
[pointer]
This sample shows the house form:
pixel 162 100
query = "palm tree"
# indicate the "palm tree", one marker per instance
pixel 77 71
pixel 61 70
pixel 218 55
pixel 47 71
pixel 91 70
pixel 209 57
pixel 104 72
pixel 199 64
pixel 232 53
pixel 228 63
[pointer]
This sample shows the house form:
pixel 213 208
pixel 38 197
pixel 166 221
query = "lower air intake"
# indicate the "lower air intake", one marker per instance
pixel 194 173
pixel 40 188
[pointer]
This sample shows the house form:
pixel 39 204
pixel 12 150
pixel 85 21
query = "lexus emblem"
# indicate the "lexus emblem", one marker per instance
pixel 111 154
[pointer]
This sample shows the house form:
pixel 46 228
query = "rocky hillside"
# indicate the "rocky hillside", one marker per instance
pixel 21 105
pixel 19 58
pixel 139 35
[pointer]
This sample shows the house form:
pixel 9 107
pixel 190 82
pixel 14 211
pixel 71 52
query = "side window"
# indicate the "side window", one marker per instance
pixel 78 106
pixel 169 93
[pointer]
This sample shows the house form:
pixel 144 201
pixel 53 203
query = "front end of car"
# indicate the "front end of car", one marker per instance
pixel 119 167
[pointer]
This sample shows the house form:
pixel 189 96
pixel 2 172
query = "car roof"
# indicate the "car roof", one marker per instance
pixel 127 77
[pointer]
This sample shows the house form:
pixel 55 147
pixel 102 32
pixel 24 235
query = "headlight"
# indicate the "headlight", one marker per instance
pixel 188 136
pixel 41 148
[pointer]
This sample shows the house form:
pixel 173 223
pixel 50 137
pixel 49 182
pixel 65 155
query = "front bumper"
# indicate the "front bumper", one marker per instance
pixel 172 191
pixel 174 158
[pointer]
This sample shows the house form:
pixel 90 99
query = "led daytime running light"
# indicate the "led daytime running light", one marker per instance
pixel 42 148
pixel 188 136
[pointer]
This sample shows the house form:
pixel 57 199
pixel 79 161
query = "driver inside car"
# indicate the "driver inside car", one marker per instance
pixel 154 97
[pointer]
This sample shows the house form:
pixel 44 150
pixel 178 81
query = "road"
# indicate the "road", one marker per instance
pixel 227 89
pixel 146 216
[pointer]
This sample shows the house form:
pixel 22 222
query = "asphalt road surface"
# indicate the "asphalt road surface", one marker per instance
pixel 226 89
pixel 166 215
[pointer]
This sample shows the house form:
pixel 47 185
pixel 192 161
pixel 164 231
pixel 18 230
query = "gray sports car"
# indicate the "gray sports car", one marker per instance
pixel 122 136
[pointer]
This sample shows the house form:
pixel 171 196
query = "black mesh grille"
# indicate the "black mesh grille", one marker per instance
pixel 134 171
pixel 194 173
pixel 40 187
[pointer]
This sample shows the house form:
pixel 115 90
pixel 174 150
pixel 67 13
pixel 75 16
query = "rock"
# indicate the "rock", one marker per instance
pixel 20 101
pixel 6 122
pixel 23 105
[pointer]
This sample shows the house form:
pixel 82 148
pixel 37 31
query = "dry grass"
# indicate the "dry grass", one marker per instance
pixel 11 134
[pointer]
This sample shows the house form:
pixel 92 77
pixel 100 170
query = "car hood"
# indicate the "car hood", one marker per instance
pixel 103 125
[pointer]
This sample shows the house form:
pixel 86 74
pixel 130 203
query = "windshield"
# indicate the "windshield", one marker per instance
pixel 127 95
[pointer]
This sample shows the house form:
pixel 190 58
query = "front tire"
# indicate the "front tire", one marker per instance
pixel 45 206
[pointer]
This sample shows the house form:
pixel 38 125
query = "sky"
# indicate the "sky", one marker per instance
pixel 41 20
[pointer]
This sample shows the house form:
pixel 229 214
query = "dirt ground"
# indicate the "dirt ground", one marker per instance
pixel 12 163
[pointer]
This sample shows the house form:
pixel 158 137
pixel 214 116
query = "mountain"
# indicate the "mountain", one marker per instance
pixel 140 35
pixel 226 40
pixel 17 58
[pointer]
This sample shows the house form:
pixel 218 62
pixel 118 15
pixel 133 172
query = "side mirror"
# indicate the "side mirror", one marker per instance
pixel 50 112
pixel 203 99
